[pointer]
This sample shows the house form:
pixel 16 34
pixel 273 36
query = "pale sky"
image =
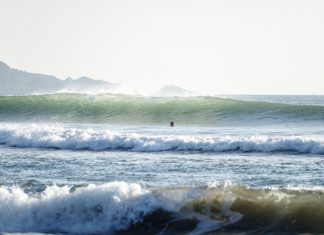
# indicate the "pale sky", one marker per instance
pixel 209 46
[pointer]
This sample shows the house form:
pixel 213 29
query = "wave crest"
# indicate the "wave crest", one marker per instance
pixel 109 108
pixel 92 209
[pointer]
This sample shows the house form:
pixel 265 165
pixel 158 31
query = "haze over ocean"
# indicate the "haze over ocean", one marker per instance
pixel 152 117
pixel 211 47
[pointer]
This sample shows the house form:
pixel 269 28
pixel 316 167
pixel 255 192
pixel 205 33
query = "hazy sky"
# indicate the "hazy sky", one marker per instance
pixel 211 46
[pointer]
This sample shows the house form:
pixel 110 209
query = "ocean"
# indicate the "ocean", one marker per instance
pixel 111 164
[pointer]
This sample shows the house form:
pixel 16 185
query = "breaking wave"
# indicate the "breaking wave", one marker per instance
pixel 109 108
pixel 91 209
pixel 129 208
pixel 59 137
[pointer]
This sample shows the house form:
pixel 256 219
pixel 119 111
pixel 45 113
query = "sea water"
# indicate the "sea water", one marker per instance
pixel 111 164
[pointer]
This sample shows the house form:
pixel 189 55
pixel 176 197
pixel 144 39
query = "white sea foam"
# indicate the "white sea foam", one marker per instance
pixel 93 209
pixel 104 209
pixel 59 137
pixel 114 206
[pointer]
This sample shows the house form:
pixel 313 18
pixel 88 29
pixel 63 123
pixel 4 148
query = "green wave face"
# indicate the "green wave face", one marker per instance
pixel 110 108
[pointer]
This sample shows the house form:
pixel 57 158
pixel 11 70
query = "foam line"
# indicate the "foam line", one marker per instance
pixel 58 137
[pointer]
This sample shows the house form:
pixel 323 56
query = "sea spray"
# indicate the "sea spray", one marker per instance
pixel 93 209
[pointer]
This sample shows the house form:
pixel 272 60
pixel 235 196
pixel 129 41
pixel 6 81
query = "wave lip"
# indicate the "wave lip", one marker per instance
pixel 58 137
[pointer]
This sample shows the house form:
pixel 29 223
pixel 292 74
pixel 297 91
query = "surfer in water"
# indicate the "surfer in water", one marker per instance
pixel 172 124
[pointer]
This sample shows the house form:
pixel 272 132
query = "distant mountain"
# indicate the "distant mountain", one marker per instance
pixel 171 90
pixel 85 84
pixel 17 82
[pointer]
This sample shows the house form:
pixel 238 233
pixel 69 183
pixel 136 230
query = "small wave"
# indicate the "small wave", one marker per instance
pixel 128 208
pixel 59 137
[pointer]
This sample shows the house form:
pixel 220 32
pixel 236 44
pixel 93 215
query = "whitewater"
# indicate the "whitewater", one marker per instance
pixel 60 137
pixel 111 164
